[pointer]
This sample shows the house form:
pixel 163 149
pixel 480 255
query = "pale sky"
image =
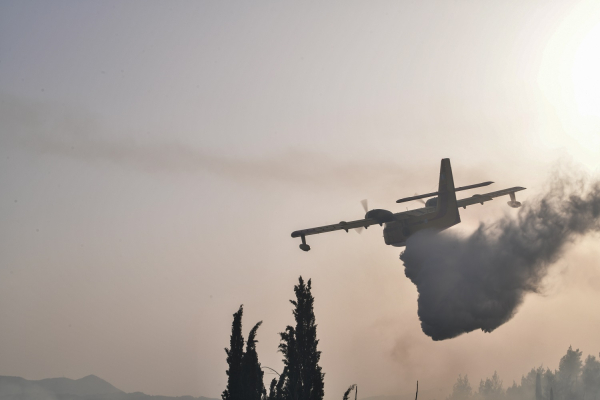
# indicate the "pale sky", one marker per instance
pixel 155 157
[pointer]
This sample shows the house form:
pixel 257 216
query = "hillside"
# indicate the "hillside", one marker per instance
pixel 88 388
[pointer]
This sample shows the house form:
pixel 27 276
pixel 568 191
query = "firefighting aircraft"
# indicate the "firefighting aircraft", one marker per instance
pixel 439 213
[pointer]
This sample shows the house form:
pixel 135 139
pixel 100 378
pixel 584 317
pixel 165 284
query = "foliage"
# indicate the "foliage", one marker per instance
pixel 538 387
pixel 568 374
pixel 245 376
pixel 573 380
pixel 461 389
pixel 528 389
pixel 590 378
pixel 235 353
pixel 302 378
pixel 491 388
pixel 252 373
pixel 347 392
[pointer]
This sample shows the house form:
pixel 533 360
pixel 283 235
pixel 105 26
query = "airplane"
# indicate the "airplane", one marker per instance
pixel 439 213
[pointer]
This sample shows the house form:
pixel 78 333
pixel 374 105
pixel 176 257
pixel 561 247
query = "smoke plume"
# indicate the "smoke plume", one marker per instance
pixel 51 130
pixel 478 281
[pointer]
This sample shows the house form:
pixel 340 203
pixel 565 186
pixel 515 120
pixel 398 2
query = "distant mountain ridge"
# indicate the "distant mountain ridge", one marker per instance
pixel 88 388
pixel 92 387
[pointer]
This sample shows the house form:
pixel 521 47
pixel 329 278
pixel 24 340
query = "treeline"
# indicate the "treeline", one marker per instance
pixel 575 379
pixel 301 378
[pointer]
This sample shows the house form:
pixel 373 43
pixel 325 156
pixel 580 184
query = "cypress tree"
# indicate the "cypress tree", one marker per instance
pixel 347 392
pixel 290 378
pixel 245 376
pixel 272 390
pixel 302 376
pixel 235 354
pixel 252 374
pixel 276 391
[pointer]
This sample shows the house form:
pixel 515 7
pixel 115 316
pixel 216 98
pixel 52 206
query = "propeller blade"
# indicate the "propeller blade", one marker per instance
pixel 420 200
pixel 365 204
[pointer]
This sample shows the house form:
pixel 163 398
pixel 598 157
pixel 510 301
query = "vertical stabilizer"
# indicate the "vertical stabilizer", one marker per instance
pixel 447 207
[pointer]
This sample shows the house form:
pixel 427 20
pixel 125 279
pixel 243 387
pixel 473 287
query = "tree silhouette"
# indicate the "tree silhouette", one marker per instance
pixel 569 370
pixel 252 374
pixel 245 377
pixel 276 391
pixel 538 387
pixel 302 378
pixel 235 354
pixel 590 377
pixel 491 388
pixel 462 389
pixel 573 380
pixel 347 392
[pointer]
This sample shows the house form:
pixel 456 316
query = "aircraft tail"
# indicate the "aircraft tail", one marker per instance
pixel 447 208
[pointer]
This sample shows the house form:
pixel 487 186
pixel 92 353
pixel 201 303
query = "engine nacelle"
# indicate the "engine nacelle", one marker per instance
pixel 431 202
pixel 381 216
pixel 395 233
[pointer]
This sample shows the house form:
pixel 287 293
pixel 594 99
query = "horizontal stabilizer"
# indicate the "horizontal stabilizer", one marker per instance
pixel 458 189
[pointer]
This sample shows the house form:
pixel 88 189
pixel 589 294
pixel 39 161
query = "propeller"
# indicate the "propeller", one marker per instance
pixel 365 204
pixel 420 200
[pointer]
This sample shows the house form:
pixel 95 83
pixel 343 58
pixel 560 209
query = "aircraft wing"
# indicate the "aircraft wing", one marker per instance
pixel 481 198
pixel 364 223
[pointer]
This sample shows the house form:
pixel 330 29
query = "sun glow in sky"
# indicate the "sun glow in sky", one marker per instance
pixel 570 81
pixel 586 74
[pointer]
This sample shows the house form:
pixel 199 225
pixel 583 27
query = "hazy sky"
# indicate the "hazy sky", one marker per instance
pixel 155 157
